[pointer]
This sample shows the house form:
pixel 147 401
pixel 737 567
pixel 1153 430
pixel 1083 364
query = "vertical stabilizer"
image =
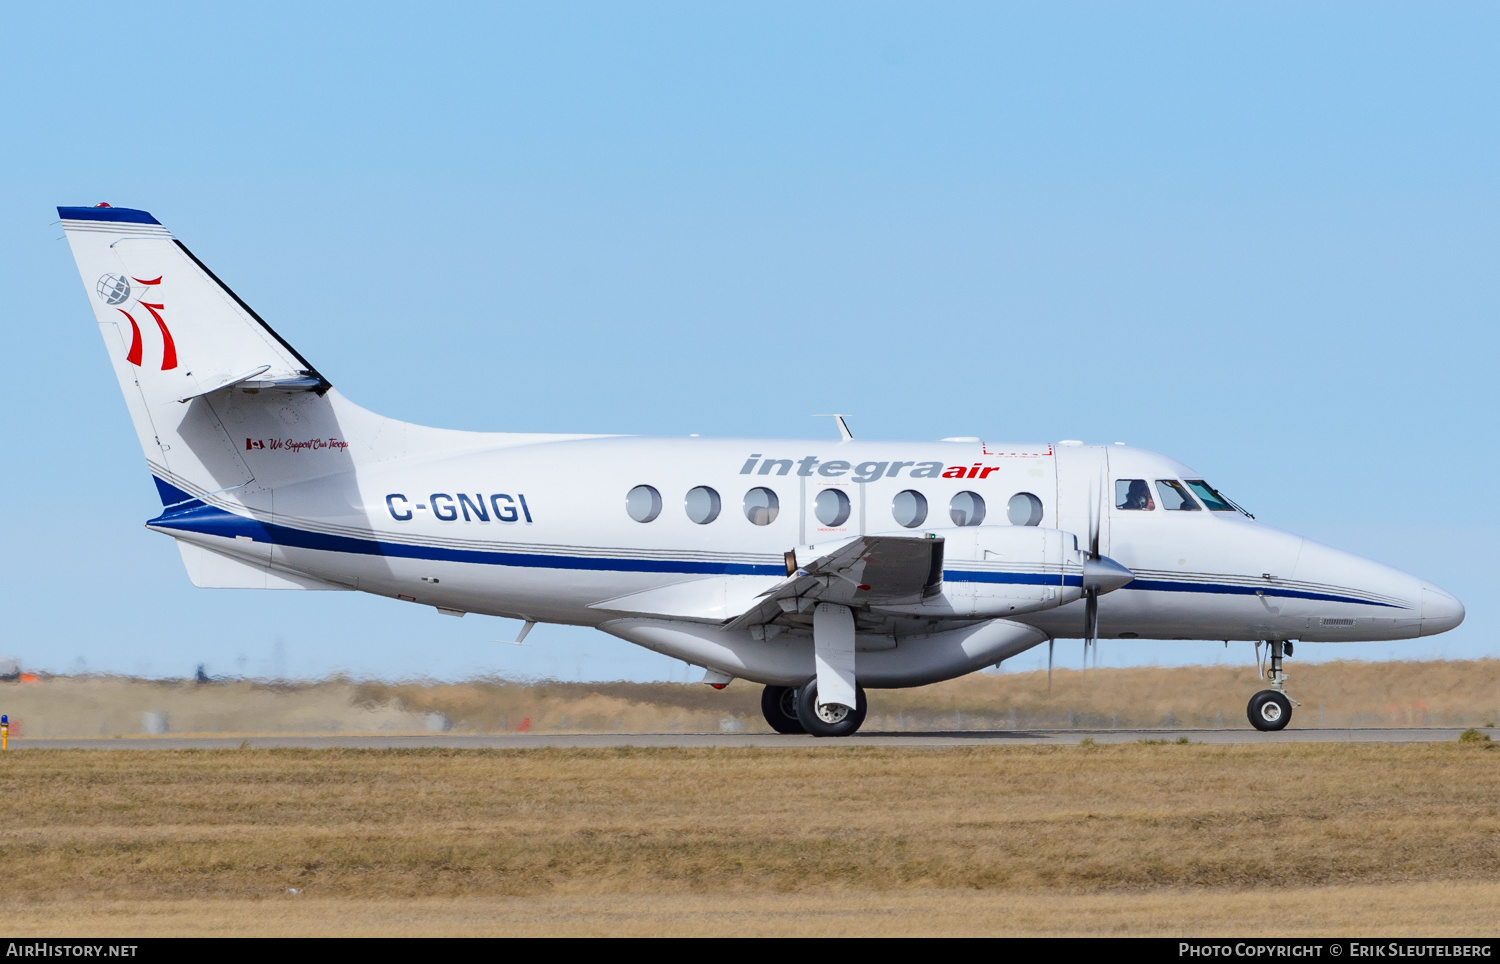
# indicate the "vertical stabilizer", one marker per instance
pixel 176 336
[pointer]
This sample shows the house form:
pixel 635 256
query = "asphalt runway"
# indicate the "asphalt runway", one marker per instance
pixel 927 739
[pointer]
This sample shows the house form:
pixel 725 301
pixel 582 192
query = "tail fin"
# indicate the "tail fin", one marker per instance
pixel 175 334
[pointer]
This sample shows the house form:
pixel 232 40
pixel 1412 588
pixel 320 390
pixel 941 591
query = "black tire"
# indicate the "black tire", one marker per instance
pixel 832 720
pixel 778 704
pixel 1269 710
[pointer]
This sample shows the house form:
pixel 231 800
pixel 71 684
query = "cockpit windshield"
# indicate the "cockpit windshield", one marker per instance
pixel 1211 498
pixel 1174 496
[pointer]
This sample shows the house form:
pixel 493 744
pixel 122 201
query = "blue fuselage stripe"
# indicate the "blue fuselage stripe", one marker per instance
pixel 217 523
pixel 208 520
pixel 1173 585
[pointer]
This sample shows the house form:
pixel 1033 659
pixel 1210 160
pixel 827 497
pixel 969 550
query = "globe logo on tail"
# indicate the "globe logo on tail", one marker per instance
pixel 113 289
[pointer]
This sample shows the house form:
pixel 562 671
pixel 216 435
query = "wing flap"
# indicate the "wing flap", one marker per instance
pixel 867 570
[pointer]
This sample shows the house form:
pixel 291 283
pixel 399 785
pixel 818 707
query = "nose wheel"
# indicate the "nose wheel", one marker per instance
pixel 1272 709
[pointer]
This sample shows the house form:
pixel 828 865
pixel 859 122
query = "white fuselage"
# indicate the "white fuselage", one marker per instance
pixel 538 528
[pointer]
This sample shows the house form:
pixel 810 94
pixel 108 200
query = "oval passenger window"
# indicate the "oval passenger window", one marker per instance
pixel 702 505
pixel 761 506
pixel 967 509
pixel 643 503
pixel 909 508
pixel 832 508
pixel 1024 509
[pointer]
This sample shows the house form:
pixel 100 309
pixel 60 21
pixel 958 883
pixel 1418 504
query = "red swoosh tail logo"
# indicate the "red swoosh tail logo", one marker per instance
pixel 134 355
pixel 169 347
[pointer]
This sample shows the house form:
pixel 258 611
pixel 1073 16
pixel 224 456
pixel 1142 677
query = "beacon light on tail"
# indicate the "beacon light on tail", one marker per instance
pixel 816 569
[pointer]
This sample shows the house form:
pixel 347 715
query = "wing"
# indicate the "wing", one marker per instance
pixel 878 570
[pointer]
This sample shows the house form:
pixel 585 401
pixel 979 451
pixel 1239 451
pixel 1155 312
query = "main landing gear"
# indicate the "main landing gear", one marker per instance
pixel 1272 709
pixel 790 710
pixel 778 704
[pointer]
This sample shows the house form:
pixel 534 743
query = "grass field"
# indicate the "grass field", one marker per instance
pixel 1350 693
pixel 1176 839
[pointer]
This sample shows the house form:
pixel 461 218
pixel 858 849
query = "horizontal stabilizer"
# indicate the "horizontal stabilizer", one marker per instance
pixel 225 383
pixel 216 570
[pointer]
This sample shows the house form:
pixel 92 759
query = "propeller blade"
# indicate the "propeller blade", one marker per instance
pixel 1093 522
pixel 1050 641
pixel 1090 621
pixel 1098 507
pixel 1099 574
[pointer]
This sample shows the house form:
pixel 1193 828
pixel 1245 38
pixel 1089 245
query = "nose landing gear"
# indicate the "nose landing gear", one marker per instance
pixel 1272 709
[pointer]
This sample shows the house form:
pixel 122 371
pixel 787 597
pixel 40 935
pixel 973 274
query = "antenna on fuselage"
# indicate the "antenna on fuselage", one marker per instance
pixel 844 434
pixel 520 639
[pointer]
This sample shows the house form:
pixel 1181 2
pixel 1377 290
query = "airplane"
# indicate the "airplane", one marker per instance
pixel 814 568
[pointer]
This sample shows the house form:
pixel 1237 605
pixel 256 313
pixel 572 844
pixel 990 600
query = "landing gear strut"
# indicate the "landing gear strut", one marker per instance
pixel 1272 709
pixel 778 704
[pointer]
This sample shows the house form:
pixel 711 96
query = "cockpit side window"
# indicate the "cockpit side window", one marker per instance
pixel 1133 494
pixel 1209 496
pixel 1174 496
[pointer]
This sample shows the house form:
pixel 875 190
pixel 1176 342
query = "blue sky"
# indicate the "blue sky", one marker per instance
pixel 1262 238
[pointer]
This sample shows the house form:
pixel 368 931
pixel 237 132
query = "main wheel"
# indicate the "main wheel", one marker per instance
pixel 778 704
pixel 831 719
pixel 1270 710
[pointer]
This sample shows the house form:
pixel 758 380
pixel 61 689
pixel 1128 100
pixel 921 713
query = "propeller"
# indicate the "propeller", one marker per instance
pixel 1091 590
pixel 1101 574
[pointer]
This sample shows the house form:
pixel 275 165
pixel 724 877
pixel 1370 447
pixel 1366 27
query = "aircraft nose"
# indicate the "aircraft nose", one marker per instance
pixel 1441 611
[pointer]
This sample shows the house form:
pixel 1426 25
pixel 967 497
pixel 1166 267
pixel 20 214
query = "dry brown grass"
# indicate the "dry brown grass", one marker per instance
pixel 556 838
pixel 1345 693
pixel 1450 693
pixel 1373 911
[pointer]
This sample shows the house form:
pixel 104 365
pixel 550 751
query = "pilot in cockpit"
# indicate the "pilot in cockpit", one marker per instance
pixel 1137 496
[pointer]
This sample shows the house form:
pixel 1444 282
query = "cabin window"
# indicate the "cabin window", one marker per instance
pixel 910 508
pixel 1209 496
pixel 702 504
pixel 761 506
pixel 1133 494
pixel 1024 509
pixel 832 508
pixel 642 503
pixel 1174 496
pixel 966 509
